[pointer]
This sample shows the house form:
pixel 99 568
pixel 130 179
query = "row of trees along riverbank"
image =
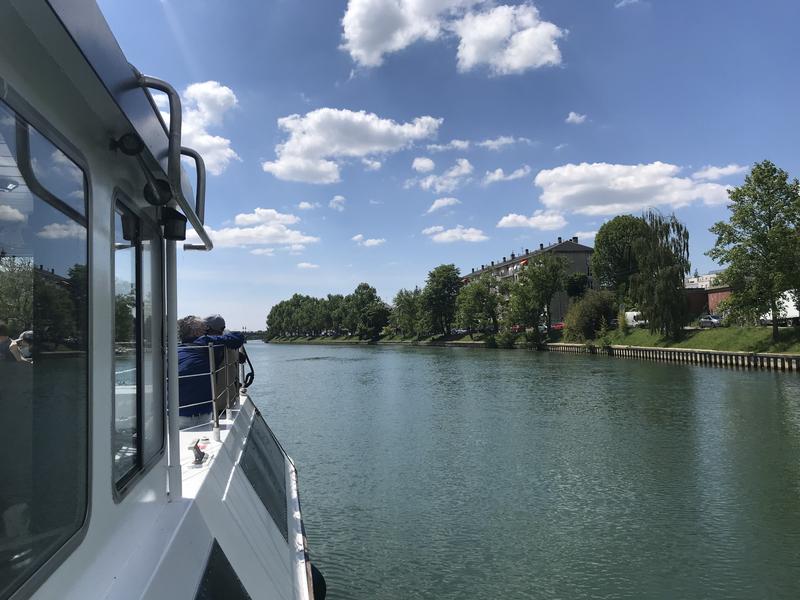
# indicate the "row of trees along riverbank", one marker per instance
pixel 639 261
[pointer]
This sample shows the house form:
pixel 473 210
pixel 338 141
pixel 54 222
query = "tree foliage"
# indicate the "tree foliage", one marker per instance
pixel 589 314
pixel 439 297
pixel 577 284
pixel 531 295
pixel 760 244
pixel 406 317
pixel 662 256
pixel 614 260
pixel 478 304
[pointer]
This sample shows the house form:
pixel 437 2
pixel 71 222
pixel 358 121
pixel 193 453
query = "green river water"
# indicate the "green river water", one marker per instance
pixel 466 473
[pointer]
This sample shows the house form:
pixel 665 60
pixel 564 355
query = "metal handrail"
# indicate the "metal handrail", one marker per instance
pixel 211 374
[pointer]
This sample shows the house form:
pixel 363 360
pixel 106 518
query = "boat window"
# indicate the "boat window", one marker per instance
pixel 138 395
pixel 43 350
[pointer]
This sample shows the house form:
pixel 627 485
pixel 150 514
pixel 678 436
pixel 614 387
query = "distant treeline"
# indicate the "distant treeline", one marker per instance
pixel 638 263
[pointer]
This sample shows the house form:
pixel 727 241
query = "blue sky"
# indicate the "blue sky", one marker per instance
pixel 590 108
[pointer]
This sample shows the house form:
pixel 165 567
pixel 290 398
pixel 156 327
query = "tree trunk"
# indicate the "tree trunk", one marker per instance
pixel 774 309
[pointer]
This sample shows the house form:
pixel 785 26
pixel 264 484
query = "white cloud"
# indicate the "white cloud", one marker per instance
pixel 308 205
pixel 574 118
pixel 63 231
pixel 367 242
pixel 337 203
pixel 10 214
pixel 319 141
pixel 440 235
pixel 371 165
pixel 262 227
pixel 609 189
pixel 374 28
pixel 560 147
pixel 451 145
pixel 546 220
pixel 265 215
pixel 714 173
pixel 263 251
pixel 307 265
pixel 624 3
pixel 450 179
pixel 423 164
pixel 441 203
pixel 585 235
pixel 500 175
pixel 509 39
pixel 501 142
pixel 204 106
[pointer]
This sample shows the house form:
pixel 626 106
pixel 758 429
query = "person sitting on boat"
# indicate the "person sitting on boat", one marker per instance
pixel 15 350
pixel 194 369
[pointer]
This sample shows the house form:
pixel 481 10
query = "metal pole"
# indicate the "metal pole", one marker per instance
pixel 213 375
pixel 174 443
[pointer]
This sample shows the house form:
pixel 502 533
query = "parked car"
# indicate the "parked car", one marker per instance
pixel 710 321
pixel 557 326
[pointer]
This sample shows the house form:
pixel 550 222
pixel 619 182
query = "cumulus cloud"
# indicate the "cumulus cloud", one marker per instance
pixel 624 3
pixel 262 227
pixel 501 142
pixel 204 106
pixel 545 220
pixel 441 203
pixel 574 118
pixel 508 39
pixel 307 265
pixel 609 189
pixel 585 235
pixel 374 28
pixel 440 235
pixel 450 179
pixel 321 140
pixel 711 173
pixel 500 175
pixel 451 145
pixel 337 203
pixel 367 242
pixel 265 215
pixel 263 251
pixel 10 214
pixel 371 165
pixel 308 205
pixel 62 231
pixel 423 164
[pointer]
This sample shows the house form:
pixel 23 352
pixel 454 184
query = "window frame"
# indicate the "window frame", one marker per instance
pixel 25 111
pixel 122 203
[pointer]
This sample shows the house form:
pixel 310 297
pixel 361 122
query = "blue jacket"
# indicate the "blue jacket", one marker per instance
pixel 193 360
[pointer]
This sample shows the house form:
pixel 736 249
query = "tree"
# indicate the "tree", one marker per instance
pixel 439 297
pixel 586 316
pixel 760 244
pixel 539 281
pixel 662 256
pixel 16 293
pixel 576 285
pixel 613 260
pixel 477 305
pixel 407 311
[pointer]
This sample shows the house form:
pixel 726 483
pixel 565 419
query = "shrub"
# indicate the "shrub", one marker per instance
pixel 587 316
pixel 490 341
pixel 506 339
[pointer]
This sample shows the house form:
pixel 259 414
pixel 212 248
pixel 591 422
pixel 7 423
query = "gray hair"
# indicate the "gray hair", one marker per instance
pixel 190 328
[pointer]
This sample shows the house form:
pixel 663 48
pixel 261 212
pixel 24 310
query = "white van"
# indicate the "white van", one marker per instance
pixel 634 318
pixel 788 315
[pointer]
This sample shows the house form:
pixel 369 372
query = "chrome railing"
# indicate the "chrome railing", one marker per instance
pixel 229 388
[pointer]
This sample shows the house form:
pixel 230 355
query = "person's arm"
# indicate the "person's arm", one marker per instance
pixel 15 352
pixel 231 340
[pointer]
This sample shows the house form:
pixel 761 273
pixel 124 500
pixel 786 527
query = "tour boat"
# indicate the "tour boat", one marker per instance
pixel 102 494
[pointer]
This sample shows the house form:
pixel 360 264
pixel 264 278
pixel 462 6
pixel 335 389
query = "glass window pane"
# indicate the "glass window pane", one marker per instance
pixel 43 363
pixel 126 381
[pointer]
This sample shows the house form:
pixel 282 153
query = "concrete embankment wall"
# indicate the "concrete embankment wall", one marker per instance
pixel 712 358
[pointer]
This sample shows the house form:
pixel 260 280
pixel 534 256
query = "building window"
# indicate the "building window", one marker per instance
pixel 138 433
pixel 43 349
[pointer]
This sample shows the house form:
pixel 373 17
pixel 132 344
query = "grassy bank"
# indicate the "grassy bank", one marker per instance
pixel 387 339
pixel 741 339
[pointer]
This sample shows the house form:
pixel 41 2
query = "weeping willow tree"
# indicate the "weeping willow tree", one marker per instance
pixel 662 255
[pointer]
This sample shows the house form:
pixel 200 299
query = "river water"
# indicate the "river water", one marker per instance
pixel 467 473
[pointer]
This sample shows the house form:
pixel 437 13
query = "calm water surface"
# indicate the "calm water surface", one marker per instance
pixel 463 473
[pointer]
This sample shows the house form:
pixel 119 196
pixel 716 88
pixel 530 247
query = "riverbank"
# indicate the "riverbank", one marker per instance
pixel 441 340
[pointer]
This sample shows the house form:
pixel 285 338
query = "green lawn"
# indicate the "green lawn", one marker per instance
pixel 745 339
